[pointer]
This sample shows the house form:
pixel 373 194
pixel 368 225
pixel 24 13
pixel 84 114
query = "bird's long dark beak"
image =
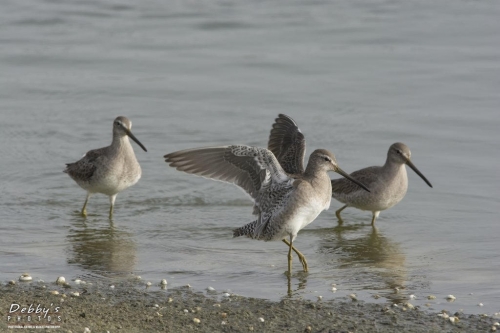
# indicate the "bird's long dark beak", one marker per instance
pixel 135 139
pixel 414 168
pixel 346 175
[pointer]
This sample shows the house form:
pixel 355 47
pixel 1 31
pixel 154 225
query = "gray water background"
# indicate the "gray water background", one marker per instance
pixel 357 76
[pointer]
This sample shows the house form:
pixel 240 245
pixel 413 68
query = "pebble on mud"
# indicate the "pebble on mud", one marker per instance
pixel 431 297
pixel 353 297
pixel 450 298
pixel 196 320
pixel 261 319
pixel 163 282
pixel 54 292
pixel 60 280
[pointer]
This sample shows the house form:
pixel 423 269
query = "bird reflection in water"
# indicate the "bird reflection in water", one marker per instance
pixel 367 261
pixel 103 249
pixel 302 277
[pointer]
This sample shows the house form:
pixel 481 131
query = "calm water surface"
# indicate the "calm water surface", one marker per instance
pixel 357 76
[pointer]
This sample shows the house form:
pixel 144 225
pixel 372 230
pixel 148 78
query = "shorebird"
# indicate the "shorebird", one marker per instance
pixel 284 203
pixel 108 170
pixel 388 183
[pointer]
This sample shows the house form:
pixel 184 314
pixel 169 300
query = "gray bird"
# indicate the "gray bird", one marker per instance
pixel 388 184
pixel 108 170
pixel 283 203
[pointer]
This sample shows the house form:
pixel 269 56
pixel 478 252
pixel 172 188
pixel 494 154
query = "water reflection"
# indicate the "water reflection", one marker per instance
pixel 101 248
pixel 370 260
pixel 301 285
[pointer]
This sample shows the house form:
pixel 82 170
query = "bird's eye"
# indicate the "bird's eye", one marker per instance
pixel 327 159
pixel 399 152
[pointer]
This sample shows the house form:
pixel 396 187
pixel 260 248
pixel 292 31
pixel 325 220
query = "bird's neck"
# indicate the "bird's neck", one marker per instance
pixel 391 168
pixel 316 175
pixel 121 142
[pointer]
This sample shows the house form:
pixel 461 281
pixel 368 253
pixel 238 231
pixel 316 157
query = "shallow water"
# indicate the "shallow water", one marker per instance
pixel 356 76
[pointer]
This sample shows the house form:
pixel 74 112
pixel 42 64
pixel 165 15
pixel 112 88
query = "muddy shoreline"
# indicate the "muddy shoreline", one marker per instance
pixel 130 307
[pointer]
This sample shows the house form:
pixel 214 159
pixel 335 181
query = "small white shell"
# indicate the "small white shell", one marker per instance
pixel 480 304
pixel 412 296
pixel 112 286
pixel 211 289
pixel 54 292
pixel 75 294
pixel 163 282
pixel 409 306
pixel 260 319
pixel 451 298
pixel 353 297
pixel 226 295
pixel 25 277
pixel 186 311
pixel 334 289
pixel 148 284
pixel 196 320
pixel 61 280
pixel 431 297
pixel 444 315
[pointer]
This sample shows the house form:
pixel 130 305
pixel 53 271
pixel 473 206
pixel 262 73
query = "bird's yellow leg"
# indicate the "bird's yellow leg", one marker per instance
pixel 84 209
pixel 290 258
pixel 111 205
pixel 302 258
pixel 338 214
pixel 374 217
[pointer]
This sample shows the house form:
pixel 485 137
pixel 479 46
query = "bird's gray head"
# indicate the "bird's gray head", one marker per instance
pixel 324 160
pixel 399 153
pixel 121 124
pixel 121 128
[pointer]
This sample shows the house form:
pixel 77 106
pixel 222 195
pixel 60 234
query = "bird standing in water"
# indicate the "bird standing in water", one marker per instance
pixel 284 203
pixel 388 184
pixel 108 170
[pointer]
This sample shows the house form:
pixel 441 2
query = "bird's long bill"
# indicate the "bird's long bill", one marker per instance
pixel 346 175
pixel 135 139
pixel 414 168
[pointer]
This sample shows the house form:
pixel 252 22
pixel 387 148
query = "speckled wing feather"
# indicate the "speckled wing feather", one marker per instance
pixel 288 144
pixel 83 169
pixel 255 170
pixel 342 186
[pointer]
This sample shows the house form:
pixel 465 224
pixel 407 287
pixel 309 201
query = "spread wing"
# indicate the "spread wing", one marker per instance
pixel 83 169
pixel 255 170
pixel 287 143
pixel 342 186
